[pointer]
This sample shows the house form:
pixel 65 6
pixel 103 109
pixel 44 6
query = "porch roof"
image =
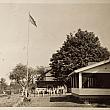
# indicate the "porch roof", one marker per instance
pixel 91 67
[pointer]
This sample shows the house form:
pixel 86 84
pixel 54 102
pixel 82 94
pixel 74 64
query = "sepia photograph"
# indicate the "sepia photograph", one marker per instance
pixel 55 54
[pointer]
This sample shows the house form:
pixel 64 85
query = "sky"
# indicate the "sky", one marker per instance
pixel 54 22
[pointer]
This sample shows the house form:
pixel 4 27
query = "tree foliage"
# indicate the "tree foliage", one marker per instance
pixel 3 84
pixel 76 52
pixel 19 75
pixel 41 72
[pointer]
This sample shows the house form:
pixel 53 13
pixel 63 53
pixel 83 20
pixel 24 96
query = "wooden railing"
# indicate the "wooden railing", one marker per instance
pixel 90 91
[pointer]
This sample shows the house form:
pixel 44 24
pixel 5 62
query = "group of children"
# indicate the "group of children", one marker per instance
pixel 51 91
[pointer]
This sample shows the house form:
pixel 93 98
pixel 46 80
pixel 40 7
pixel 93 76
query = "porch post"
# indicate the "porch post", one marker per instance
pixel 73 81
pixel 80 80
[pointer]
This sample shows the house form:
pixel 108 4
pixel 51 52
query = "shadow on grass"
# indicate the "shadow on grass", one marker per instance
pixel 70 98
pixel 66 98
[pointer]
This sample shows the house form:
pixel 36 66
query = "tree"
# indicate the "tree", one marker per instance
pixel 76 52
pixel 15 87
pixel 19 75
pixel 41 72
pixel 3 84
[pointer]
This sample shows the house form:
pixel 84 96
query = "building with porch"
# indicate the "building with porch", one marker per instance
pixel 48 85
pixel 91 82
pixel 48 82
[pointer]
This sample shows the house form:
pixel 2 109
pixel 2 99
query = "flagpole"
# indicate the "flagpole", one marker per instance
pixel 30 19
pixel 28 56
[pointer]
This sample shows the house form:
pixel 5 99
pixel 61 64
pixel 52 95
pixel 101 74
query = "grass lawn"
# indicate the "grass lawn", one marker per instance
pixel 44 101
pixel 9 101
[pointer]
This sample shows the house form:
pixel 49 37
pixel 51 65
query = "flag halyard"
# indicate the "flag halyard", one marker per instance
pixel 31 19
